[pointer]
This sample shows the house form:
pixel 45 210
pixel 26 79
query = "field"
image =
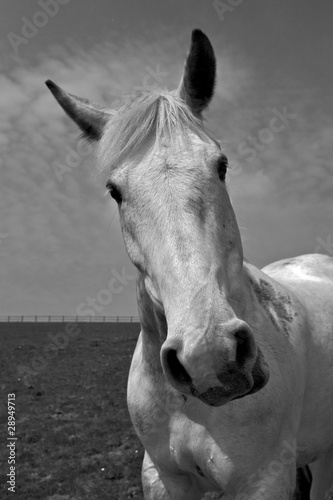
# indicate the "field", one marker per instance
pixel 75 440
pixel 74 435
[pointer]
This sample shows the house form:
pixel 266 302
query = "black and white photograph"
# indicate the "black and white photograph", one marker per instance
pixel 166 249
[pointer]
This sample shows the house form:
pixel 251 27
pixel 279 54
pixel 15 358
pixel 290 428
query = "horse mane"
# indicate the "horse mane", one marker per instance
pixel 159 115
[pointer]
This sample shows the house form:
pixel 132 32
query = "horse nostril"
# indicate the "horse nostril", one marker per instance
pixel 244 347
pixel 175 367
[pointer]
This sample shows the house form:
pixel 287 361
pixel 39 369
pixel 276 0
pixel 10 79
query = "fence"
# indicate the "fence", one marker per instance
pixel 65 319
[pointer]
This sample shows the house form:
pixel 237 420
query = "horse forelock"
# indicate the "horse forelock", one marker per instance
pixel 149 117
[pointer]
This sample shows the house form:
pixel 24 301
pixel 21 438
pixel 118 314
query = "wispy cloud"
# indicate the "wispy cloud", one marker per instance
pixel 60 242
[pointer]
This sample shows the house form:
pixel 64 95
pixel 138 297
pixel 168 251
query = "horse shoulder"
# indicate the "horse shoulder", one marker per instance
pixel 310 278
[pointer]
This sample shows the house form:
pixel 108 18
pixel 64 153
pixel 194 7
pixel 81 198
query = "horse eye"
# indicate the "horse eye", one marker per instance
pixel 114 192
pixel 222 167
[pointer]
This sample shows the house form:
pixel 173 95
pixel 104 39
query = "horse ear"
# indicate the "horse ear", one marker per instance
pixel 90 117
pixel 198 82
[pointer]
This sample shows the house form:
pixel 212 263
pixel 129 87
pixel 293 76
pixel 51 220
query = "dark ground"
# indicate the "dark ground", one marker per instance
pixel 74 435
pixel 75 440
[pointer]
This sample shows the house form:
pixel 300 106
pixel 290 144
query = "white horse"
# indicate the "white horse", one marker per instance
pixel 231 383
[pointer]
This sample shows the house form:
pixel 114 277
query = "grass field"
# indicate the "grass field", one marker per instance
pixel 74 435
pixel 75 439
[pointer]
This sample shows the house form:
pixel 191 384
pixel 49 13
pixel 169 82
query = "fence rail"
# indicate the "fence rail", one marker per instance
pixel 65 319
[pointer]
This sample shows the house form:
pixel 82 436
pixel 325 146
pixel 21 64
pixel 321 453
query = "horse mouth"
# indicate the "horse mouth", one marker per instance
pixel 219 396
pixel 214 396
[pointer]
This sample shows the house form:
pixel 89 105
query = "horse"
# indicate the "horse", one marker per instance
pixel 230 388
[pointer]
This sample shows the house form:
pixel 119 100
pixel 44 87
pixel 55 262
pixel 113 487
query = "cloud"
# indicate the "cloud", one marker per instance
pixel 283 196
pixel 61 244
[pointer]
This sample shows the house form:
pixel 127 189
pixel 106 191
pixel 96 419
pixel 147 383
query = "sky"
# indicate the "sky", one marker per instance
pixel 61 248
